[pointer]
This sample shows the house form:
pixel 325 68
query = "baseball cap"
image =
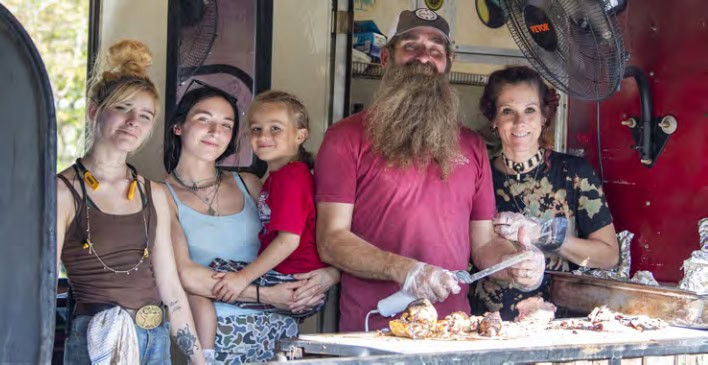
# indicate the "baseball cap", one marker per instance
pixel 421 17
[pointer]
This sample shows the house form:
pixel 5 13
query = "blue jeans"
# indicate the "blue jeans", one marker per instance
pixel 154 344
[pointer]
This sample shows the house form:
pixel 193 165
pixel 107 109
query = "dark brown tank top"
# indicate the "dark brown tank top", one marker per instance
pixel 120 242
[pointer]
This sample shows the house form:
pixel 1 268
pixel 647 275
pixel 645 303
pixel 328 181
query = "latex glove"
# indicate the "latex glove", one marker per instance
pixel 527 275
pixel 548 235
pixel 431 282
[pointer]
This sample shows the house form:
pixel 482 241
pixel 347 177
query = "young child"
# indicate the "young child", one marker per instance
pixel 277 126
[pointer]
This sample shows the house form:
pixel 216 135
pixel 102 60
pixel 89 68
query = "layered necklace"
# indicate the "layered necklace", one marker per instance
pixel 194 188
pixel 519 167
pixel 89 245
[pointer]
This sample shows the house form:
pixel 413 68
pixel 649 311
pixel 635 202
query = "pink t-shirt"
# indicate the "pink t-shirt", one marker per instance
pixel 286 204
pixel 409 212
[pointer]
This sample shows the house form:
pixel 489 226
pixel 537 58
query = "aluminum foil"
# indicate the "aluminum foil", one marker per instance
pixel 695 268
pixel 621 272
pixel 644 277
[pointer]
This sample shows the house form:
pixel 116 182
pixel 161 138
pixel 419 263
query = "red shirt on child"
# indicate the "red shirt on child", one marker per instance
pixel 286 203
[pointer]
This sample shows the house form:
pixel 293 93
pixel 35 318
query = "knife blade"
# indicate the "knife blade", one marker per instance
pixel 467 278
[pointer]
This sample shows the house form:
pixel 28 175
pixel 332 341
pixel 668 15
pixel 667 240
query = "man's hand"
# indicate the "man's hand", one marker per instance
pixel 316 282
pixel 230 286
pixel 431 282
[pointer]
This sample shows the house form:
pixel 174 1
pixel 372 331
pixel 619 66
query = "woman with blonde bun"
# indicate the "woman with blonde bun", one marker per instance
pixel 113 229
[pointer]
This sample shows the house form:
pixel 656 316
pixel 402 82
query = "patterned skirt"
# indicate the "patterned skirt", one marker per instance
pixel 251 338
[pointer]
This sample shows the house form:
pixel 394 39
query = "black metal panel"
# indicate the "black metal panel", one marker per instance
pixel 264 45
pixel 27 199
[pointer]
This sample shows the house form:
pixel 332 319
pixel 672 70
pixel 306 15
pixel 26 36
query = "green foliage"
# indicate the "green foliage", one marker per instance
pixel 59 29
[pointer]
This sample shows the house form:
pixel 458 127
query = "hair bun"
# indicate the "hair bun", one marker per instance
pixel 127 58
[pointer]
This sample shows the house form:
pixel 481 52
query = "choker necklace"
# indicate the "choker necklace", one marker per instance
pixel 194 186
pixel 208 202
pixel 94 184
pixel 520 167
pixel 524 211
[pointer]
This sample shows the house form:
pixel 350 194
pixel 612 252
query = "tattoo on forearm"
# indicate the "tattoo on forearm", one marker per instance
pixel 174 306
pixel 186 341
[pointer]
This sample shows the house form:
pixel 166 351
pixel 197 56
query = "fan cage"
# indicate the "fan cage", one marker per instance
pixel 196 41
pixel 588 62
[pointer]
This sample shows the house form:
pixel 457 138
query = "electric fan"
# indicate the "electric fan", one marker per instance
pixel 574 44
pixel 198 21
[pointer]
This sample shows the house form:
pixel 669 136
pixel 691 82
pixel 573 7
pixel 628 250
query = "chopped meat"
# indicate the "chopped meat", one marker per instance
pixel 459 322
pixel 453 325
pixel 474 323
pixel 414 330
pixel 420 310
pixel 491 324
pixel 535 310
pixel 602 319
pixel 443 329
pixel 417 321
pixel 601 314
pixel 535 314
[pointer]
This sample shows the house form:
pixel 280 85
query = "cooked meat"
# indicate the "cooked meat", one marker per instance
pixel 602 319
pixel 474 323
pixel 443 329
pixel 535 313
pixel 417 321
pixel 535 309
pixel 601 314
pixel 491 324
pixel 414 330
pixel 420 310
pixel 637 322
pixel 459 322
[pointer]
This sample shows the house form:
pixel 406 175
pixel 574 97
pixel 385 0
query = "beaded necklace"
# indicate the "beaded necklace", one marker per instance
pixel 90 246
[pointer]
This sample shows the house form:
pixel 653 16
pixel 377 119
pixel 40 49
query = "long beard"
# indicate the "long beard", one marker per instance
pixel 414 118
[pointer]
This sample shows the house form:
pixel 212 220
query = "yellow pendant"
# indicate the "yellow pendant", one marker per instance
pixel 90 180
pixel 131 189
pixel 146 253
pixel 86 245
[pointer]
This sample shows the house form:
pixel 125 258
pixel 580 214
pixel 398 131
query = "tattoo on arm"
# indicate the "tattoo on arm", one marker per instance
pixel 186 341
pixel 174 306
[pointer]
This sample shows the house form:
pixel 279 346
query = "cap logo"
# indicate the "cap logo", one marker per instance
pixel 426 14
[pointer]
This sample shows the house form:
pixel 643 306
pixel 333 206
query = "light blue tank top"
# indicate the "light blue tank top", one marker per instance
pixel 230 237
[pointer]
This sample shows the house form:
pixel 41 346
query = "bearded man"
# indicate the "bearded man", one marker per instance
pixel 404 192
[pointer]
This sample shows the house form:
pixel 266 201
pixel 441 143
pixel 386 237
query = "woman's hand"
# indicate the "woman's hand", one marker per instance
pixel 230 286
pixel 527 275
pixel 548 235
pixel 316 282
